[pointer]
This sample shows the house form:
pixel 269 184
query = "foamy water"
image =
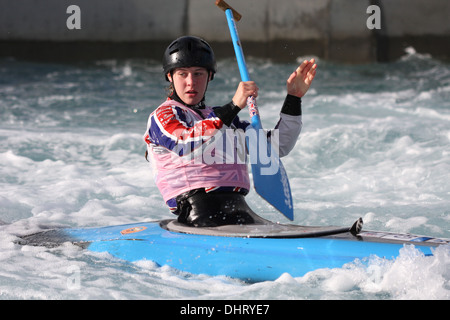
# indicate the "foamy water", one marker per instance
pixel 375 144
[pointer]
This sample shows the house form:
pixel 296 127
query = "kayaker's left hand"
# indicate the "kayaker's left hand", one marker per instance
pixel 300 80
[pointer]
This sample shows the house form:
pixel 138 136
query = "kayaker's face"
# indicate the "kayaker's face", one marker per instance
pixel 190 83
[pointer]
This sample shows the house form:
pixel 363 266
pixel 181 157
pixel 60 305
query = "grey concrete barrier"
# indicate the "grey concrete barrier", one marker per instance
pixel 342 30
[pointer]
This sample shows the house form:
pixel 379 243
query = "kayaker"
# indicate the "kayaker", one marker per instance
pixel 210 193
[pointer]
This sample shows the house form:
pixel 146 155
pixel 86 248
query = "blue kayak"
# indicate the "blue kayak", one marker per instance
pixel 249 252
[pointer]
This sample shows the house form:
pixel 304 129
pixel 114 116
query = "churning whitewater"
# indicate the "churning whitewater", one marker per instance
pixel 375 144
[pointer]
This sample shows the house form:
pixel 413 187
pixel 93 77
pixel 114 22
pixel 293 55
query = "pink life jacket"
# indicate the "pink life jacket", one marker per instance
pixel 172 125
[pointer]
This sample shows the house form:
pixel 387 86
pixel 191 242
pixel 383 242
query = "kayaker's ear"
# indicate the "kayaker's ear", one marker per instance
pixel 169 76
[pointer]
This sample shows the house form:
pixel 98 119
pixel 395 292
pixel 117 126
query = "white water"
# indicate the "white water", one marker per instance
pixel 375 144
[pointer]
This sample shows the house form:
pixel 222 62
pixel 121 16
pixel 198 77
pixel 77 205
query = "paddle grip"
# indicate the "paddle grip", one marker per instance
pixel 224 6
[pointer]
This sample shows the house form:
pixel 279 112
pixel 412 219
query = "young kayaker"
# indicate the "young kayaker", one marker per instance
pixel 180 131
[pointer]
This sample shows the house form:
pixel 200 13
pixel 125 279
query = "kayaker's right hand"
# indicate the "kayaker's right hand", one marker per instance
pixel 245 90
pixel 300 80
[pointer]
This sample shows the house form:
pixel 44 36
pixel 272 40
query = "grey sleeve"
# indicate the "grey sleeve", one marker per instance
pixel 289 126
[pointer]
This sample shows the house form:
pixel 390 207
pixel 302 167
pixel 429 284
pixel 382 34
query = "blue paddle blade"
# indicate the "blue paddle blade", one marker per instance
pixel 265 186
pixel 270 178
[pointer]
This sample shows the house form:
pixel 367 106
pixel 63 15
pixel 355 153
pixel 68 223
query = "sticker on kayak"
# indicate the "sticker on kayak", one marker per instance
pixel 132 230
pixel 403 237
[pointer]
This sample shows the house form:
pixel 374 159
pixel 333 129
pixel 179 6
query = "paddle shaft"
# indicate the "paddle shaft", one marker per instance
pixel 245 76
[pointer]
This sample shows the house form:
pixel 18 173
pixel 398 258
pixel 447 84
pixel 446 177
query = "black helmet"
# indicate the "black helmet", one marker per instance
pixel 189 51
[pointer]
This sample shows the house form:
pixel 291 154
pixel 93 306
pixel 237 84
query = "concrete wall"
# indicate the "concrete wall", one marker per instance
pixel 332 29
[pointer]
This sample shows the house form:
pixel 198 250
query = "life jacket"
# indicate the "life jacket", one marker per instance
pixel 182 152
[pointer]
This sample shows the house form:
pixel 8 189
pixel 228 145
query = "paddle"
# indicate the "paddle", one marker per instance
pixel 269 177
